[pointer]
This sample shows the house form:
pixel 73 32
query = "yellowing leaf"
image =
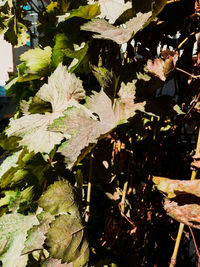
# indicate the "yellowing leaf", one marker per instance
pixel 117 34
pixel 37 59
pixel 63 90
pixel 13 228
pixel 85 12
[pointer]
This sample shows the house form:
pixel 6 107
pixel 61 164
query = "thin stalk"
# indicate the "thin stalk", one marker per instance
pixel 124 196
pixel 87 210
pixel 181 226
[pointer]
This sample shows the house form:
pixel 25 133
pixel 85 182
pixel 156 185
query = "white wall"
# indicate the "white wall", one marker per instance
pixel 6 59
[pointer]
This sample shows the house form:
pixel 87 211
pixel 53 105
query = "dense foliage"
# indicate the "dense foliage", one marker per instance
pixel 107 100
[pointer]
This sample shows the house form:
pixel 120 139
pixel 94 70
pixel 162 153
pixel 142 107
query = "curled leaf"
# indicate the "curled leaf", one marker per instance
pixel 182 200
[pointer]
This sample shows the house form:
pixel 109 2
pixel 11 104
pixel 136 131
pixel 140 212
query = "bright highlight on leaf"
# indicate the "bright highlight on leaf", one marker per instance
pixel 112 9
pixel 63 90
pixel 37 59
pixel 13 228
pixel 117 34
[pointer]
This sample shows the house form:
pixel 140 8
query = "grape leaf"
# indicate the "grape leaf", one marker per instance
pixel 112 9
pixel 125 107
pixel 14 198
pixel 162 68
pixel 65 238
pixel 182 199
pixel 117 34
pixel 63 90
pixel 82 128
pixel 9 162
pixel 59 199
pixel 13 228
pixel 55 263
pixel 37 59
pixel 66 235
pixel 85 12
pixel 63 51
pixel 36 235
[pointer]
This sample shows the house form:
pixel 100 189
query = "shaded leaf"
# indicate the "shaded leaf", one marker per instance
pixel 117 34
pixel 64 51
pixel 13 228
pixel 65 237
pixel 63 90
pixel 15 198
pixel 59 198
pixel 182 199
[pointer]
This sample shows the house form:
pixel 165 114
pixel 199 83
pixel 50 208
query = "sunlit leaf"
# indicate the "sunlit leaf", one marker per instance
pixel 85 12
pixel 13 228
pixel 9 162
pixel 55 263
pixel 119 35
pixel 63 90
pixel 82 128
pixel 112 9
pixel 162 68
pixel 37 59
pixel 36 235
pixel 125 107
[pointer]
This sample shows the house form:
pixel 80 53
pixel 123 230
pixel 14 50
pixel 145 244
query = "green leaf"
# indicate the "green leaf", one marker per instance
pixel 59 198
pixel 65 237
pixel 15 198
pixel 66 241
pixel 64 51
pixel 178 110
pixel 16 33
pixel 82 127
pixel 63 90
pixel 85 12
pixel 13 228
pixel 37 59
pixel 36 235
pixel 117 34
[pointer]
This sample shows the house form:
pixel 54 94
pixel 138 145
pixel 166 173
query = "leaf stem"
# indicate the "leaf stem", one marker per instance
pixel 87 210
pixel 181 226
